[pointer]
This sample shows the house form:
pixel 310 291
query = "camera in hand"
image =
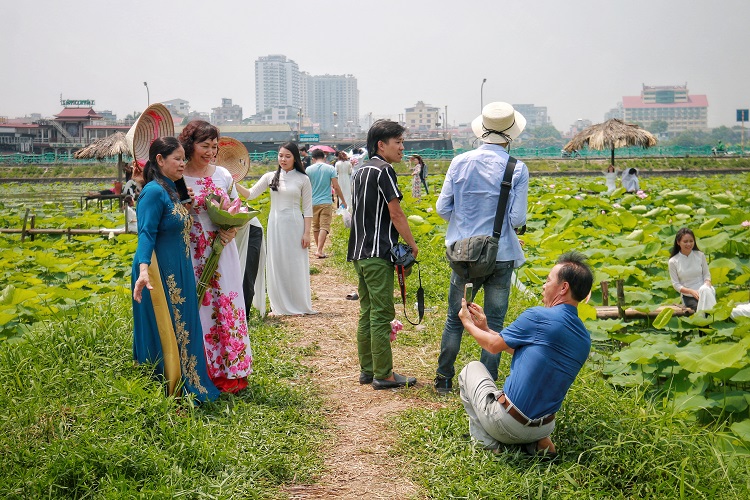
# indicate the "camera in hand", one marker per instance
pixel 182 191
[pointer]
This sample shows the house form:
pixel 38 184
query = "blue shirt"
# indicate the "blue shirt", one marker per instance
pixel 551 345
pixel 320 175
pixel 468 199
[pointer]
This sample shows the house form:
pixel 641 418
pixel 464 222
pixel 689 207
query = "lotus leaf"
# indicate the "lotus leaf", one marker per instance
pixel 742 430
pixel 693 402
pixel 742 375
pixel 712 358
pixel 732 401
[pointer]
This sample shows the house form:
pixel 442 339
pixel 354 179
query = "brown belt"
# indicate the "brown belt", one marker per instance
pixel 513 412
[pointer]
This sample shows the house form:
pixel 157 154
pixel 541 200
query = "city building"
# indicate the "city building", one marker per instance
pixel 671 104
pixel 178 107
pixel 277 83
pixel 616 112
pixel 422 118
pixel 284 94
pixel 536 116
pixel 334 104
pixel 72 128
pixel 576 127
pixel 227 113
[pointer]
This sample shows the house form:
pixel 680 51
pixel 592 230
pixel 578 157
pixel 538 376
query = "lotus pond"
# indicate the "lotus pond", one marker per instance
pixel 697 365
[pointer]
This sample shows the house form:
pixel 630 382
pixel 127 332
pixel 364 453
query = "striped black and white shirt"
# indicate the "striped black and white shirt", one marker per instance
pixel 372 232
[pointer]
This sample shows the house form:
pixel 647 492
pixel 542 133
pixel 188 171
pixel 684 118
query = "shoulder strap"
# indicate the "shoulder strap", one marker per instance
pixel 502 203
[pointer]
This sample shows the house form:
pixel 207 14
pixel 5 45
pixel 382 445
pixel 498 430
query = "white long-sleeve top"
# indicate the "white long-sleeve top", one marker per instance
pixel 688 271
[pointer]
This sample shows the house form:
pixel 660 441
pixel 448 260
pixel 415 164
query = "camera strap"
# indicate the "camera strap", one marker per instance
pixel 420 292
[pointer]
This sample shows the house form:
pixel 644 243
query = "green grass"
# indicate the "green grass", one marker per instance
pixel 78 419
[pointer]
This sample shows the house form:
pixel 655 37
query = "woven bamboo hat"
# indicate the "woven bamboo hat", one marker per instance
pixel 234 157
pixel 154 122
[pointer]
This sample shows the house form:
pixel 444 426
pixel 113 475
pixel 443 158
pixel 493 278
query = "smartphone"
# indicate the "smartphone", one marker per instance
pixel 468 292
pixel 182 191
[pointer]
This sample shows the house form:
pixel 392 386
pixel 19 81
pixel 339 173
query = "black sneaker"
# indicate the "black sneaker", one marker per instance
pixel 400 381
pixel 365 378
pixel 443 385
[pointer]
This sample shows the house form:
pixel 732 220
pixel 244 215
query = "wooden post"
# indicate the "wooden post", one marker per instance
pixel 23 229
pixel 68 234
pixel 605 293
pixel 621 298
pixel 33 221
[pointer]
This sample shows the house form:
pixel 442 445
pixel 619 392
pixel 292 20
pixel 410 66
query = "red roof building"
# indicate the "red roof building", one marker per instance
pixel 671 104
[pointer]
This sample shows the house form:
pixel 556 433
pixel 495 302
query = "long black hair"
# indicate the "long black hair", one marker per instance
pixel 163 146
pixel 677 237
pixel 298 166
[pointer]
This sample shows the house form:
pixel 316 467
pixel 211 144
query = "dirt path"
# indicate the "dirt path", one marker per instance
pixel 357 460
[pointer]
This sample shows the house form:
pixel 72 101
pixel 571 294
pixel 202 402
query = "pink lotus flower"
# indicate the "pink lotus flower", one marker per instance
pixel 396 326
pixel 746 223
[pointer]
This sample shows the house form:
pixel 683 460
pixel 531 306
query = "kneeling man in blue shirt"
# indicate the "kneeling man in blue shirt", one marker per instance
pixel 549 346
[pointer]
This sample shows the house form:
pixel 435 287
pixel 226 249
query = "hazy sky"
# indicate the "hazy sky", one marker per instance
pixel 578 58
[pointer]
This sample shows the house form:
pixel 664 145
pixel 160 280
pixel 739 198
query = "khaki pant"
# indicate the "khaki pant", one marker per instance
pixel 489 421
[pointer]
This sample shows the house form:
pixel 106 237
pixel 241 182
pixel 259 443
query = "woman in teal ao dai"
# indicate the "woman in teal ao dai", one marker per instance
pixel 166 325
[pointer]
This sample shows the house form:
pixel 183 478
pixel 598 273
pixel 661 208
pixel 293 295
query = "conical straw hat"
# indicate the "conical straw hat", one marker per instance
pixel 154 122
pixel 234 157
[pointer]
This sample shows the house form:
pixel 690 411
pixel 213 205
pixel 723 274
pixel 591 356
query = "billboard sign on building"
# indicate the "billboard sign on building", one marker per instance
pixel 309 138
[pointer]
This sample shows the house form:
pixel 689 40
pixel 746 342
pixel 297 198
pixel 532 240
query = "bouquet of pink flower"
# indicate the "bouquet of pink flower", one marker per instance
pixel 226 215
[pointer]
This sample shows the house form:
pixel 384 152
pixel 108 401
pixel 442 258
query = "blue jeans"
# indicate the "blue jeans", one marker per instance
pixel 496 292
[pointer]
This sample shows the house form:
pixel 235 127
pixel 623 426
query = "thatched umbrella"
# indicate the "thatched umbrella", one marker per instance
pixel 106 147
pixel 610 135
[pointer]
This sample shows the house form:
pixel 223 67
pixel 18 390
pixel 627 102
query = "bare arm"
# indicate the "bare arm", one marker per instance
pixel 306 233
pixel 339 193
pixel 402 224
pixel 141 282
pixel 475 323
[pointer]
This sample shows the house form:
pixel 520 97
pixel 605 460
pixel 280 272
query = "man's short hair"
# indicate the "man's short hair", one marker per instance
pixel 304 148
pixel 382 130
pixel 577 273
pixel 318 154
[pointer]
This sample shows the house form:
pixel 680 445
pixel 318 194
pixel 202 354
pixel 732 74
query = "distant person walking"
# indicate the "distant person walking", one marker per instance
pixel 422 171
pixel 416 180
pixel 344 171
pixel 322 177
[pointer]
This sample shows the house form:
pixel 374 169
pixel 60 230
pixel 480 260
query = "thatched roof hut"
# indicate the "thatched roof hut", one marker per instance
pixel 610 135
pixel 112 145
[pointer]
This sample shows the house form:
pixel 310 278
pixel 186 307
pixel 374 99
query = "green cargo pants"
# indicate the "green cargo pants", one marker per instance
pixel 376 310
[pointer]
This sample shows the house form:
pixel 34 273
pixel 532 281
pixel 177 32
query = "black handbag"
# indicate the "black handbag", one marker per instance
pixel 403 259
pixel 475 257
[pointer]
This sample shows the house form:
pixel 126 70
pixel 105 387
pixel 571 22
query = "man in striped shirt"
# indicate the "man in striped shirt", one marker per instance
pixel 377 222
